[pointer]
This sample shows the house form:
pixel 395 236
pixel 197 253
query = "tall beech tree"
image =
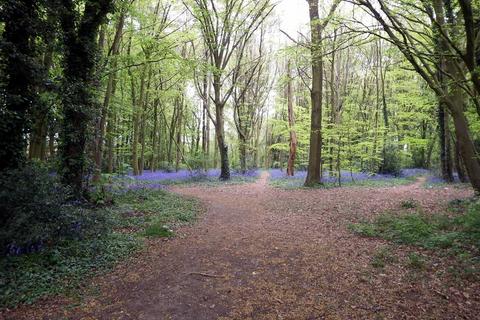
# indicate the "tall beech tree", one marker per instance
pixel 314 174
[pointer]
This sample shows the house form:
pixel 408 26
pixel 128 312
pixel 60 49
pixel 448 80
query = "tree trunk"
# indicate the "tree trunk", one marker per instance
pixel 243 153
pixel 109 92
pixel 18 78
pixel 178 143
pixel 467 148
pixel 459 164
pixel 155 142
pixel 220 130
pixel 315 153
pixel 78 101
pixel 291 124
pixel 222 146
pixel 444 136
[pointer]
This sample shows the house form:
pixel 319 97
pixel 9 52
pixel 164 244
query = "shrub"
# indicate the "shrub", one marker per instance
pixel 35 211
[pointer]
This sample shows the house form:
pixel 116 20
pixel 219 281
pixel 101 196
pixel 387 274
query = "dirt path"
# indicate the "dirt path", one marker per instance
pixel 264 253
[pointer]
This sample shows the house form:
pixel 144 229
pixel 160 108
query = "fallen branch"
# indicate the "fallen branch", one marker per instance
pixel 206 275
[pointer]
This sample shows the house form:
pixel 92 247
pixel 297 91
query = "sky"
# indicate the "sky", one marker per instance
pixel 292 15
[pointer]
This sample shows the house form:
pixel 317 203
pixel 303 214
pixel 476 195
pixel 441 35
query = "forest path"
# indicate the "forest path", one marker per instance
pixel 265 253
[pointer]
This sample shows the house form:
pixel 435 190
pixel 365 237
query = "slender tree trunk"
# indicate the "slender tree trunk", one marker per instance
pixel 242 153
pixel 51 143
pixel 109 92
pixel 178 154
pixel 291 124
pixel 155 140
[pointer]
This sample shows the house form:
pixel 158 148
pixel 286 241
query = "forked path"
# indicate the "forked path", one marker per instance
pixel 265 253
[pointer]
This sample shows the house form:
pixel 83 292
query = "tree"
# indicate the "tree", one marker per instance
pixel 78 97
pixel 291 123
pixel 19 78
pixel 314 174
pixel 226 28
pixel 408 36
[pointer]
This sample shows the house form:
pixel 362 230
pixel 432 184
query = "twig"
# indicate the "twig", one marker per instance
pixel 206 275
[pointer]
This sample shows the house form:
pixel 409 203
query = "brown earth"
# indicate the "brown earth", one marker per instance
pixel 265 253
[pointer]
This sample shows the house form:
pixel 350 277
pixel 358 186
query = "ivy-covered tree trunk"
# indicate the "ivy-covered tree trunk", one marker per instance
pixel 18 74
pixel 79 99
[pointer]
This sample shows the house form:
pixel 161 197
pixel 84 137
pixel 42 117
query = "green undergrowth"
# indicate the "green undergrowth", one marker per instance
pixel 298 183
pixel 63 267
pixel 455 233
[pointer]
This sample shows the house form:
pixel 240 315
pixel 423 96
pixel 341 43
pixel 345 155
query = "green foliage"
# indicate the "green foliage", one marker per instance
pixel 409 229
pixel 35 211
pixel 144 207
pixel 391 162
pixel 460 234
pixel 111 237
pixel 26 278
pixel 158 230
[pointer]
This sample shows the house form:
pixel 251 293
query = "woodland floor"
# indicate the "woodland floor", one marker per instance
pixel 265 253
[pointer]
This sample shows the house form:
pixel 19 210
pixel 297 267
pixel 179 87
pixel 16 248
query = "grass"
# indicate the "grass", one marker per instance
pixel 416 261
pixel 63 267
pixel 457 235
pixel 297 183
pixel 441 185
pixel 382 257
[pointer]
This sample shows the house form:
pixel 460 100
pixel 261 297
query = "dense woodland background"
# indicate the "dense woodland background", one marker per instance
pixel 93 87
